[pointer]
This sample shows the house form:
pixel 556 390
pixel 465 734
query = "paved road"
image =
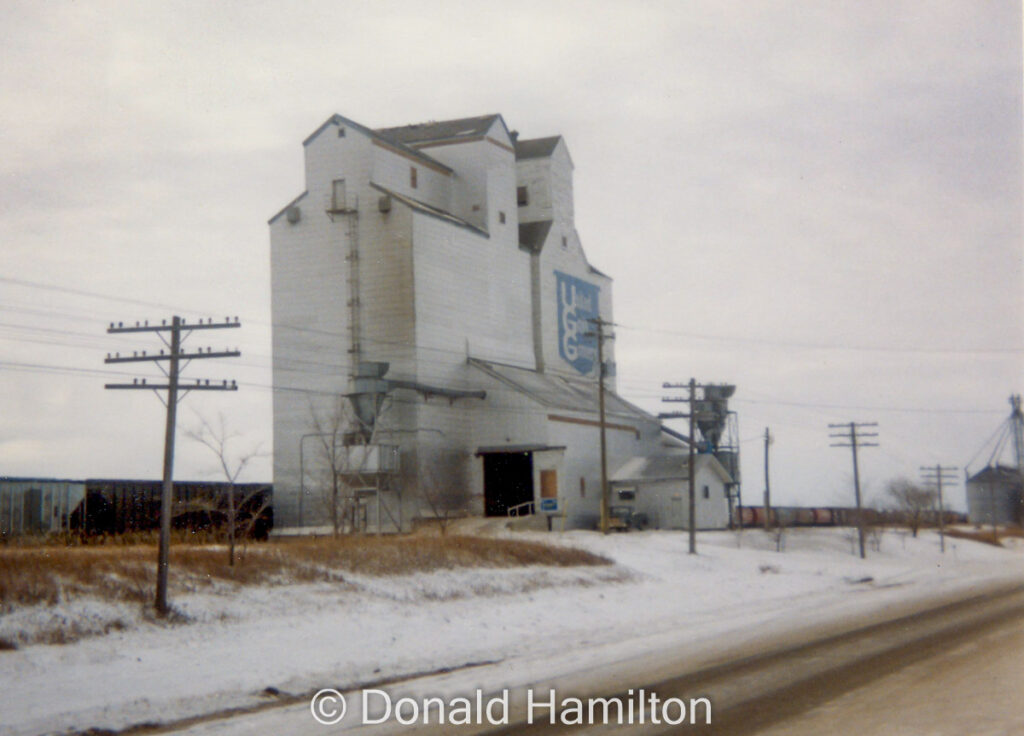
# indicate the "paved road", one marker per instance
pixel 954 664
pixel 774 694
pixel 976 687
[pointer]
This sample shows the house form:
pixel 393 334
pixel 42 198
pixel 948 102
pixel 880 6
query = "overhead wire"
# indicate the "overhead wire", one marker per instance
pixel 635 388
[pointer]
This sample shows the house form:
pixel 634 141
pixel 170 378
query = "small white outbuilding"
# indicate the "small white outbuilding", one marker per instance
pixel 655 488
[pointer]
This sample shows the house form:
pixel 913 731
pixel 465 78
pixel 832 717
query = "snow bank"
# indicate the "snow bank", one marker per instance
pixel 299 638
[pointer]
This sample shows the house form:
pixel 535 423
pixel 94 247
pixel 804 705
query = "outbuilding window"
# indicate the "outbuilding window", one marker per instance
pixel 707 492
pixel 522 196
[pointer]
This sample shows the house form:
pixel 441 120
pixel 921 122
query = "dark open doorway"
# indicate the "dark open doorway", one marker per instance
pixel 508 481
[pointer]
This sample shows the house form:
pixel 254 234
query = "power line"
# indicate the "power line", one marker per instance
pixel 935 475
pixel 791 344
pixel 174 359
pixel 788 344
pixel 855 436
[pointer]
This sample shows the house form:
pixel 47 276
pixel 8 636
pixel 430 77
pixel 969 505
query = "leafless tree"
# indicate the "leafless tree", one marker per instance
pixel 912 501
pixel 778 530
pixel 333 431
pixel 219 440
pixel 874 528
pixel 443 491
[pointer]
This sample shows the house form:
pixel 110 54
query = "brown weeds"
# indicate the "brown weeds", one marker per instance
pixel 48 574
pixel 986 535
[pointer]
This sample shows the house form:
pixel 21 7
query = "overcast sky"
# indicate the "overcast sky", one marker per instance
pixel 817 201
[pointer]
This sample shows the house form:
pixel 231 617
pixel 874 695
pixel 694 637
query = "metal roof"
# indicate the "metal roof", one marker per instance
pixel 536 147
pixel 341 121
pixel 532 235
pixel 998 474
pixel 497 449
pixel 427 209
pixel 287 207
pixel 439 130
pixel 560 392
pixel 668 465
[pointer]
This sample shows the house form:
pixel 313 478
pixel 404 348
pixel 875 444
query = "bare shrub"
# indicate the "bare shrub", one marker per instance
pixel 913 502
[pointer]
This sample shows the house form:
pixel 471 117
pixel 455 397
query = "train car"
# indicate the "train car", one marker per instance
pixel 121 506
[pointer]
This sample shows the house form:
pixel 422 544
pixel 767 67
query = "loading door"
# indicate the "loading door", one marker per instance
pixel 508 481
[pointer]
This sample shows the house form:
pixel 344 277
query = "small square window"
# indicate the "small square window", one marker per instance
pixel 412 176
pixel 341 132
pixel 501 217
pixel 522 196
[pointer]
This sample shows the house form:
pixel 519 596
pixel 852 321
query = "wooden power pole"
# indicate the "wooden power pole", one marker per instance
pixel 855 435
pixel 934 475
pixel 174 385
pixel 598 332
pixel 691 399
pixel 767 483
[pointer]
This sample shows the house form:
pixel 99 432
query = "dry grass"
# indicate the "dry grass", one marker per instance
pixel 986 534
pixel 48 574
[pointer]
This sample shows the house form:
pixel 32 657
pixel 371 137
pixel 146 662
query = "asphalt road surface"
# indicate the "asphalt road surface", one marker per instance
pixel 975 687
pixel 955 668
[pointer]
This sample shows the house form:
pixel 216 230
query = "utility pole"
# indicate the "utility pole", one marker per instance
pixel 692 387
pixel 767 483
pixel 854 435
pixel 935 475
pixel 174 359
pixel 598 332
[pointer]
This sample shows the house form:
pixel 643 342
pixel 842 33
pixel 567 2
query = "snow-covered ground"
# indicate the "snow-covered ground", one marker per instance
pixel 303 637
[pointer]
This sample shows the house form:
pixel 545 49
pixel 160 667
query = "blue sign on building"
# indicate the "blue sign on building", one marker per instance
pixel 577 304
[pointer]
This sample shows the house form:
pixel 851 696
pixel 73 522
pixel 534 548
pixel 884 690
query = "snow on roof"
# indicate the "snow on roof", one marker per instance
pixel 668 465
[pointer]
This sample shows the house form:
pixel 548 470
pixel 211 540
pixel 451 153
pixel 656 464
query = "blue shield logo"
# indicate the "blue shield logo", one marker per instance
pixel 577 304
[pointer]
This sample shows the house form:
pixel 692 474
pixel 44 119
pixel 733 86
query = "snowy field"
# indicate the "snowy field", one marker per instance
pixel 529 623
